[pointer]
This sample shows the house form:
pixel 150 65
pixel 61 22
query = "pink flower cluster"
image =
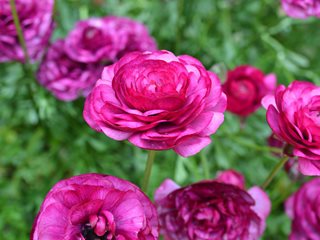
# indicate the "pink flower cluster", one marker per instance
pixel 157 101
pixel 212 209
pixel 36 22
pixel 301 8
pixel 73 65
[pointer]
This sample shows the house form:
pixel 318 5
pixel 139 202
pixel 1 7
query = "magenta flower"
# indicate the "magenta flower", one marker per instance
pixel 231 177
pixel 107 39
pixel 301 8
pixel 65 78
pixel 303 207
pixel 245 87
pixel 293 115
pixel 95 206
pixel 157 101
pixel 212 210
pixel 36 22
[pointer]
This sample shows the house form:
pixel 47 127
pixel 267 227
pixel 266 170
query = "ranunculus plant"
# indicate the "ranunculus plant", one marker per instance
pixel 72 65
pixel 65 78
pixel 212 209
pixel 35 20
pixel 95 206
pixel 245 87
pixel 303 207
pixel 107 39
pixel 157 101
pixel 293 115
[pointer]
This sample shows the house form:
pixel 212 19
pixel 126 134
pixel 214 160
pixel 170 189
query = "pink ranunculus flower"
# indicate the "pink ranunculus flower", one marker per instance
pixel 301 8
pixel 212 209
pixel 245 87
pixel 303 207
pixel 95 206
pixel 65 78
pixel 293 115
pixel 157 101
pixel 231 177
pixel 36 22
pixel 107 39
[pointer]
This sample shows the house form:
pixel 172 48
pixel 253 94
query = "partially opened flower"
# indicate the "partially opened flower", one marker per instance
pixel 293 115
pixel 245 87
pixel 157 101
pixel 107 39
pixel 301 8
pixel 303 207
pixel 95 206
pixel 212 209
pixel 36 22
pixel 65 78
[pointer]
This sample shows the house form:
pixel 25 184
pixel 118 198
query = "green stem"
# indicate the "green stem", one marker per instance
pixel 19 30
pixel 274 171
pixel 205 166
pixel 147 171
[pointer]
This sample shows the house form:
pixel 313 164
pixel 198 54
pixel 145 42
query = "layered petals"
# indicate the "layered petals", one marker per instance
pixel 303 208
pixel 245 87
pixel 212 209
pixel 36 23
pixel 107 39
pixel 157 101
pixel 293 115
pixel 301 8
pixel 65 78
pixel 95 206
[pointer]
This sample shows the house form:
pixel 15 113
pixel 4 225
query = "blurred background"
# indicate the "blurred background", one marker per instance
pixel 43 140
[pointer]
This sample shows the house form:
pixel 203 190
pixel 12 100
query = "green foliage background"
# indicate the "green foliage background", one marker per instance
pixel 43 140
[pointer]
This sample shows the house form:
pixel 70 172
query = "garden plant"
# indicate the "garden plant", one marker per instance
pixel 162 119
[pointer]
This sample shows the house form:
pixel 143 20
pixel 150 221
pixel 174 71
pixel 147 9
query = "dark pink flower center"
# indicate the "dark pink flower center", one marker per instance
pixel 100 227
pixel 93 39
pixel 154 84
pixel 242 89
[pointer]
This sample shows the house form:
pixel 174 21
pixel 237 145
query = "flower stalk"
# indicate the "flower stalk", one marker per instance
pixel 147 171
pixel 19 30
pixel 274 171
pixel 205 165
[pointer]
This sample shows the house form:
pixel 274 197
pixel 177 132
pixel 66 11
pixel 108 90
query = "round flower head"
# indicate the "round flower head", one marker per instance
pixel 245 87
pixel 36 22
pixel 94 206
pixel 303 207
pixel 107 39
pixel 157 101
pixel 65 78
pixel 212 209
pixel 293 115
pixel 301 8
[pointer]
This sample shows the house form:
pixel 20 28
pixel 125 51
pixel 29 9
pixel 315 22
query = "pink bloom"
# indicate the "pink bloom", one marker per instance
pixel 107 39
pixel 301 8
pixel 157 101
pixel 245 87
pixel 293 115
pixel 212 210
pixel 95 206
pixel 303 207
pixel 64 77
pixel 231 177
pixel 36 22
